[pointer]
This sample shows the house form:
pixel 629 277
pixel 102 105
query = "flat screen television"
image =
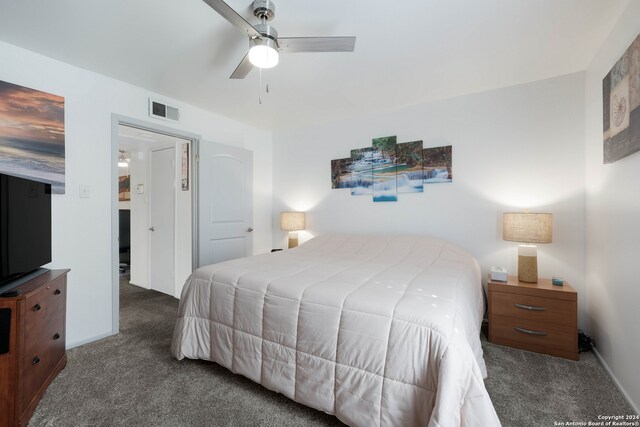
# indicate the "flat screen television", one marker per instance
pixel 25 227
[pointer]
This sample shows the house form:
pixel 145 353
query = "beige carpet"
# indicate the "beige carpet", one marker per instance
pixel 132 380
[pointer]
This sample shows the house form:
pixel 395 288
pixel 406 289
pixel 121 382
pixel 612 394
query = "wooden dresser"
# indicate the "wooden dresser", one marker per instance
pixel 537 317
pixel 35 353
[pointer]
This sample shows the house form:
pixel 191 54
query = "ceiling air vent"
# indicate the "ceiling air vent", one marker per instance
pixel 163 111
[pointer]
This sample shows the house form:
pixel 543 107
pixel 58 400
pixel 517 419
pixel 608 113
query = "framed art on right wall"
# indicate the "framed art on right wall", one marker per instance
pixel 621 106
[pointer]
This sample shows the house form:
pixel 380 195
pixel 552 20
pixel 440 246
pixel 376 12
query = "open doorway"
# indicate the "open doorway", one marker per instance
pixel 153 208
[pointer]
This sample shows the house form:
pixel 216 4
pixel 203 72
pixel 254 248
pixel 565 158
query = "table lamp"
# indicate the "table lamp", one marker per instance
pixel 527 228
pixel 292 222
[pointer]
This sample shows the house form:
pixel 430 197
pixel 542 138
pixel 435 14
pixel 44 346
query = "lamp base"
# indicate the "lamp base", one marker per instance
pixel 293 239
pixel 528 269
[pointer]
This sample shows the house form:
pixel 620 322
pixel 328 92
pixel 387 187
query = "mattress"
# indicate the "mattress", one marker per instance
pixel 377 330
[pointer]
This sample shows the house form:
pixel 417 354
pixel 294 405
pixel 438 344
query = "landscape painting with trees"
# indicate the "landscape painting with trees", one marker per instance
pixel 361 171
pixel 409 167
pixel 437 165
pixel 387 168
pixel 385 188
pixel 340 173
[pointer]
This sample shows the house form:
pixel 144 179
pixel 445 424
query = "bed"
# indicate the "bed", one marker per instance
pixel 377 330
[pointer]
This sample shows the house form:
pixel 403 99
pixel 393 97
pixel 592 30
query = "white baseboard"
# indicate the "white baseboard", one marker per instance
pixel 616 382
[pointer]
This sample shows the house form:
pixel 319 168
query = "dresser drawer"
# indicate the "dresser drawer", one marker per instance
pixel 44 306
pixel 36 369
pixel 560 312
pixel 48 340
pixel 528 334
pixel 44 338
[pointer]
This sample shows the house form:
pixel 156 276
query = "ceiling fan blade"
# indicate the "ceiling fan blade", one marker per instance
pixel 242 69
pixel 232 16
pixel 316 44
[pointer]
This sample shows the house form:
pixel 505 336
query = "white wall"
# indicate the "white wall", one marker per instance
pixel 613 227
pixel 82 227
pixel 513 148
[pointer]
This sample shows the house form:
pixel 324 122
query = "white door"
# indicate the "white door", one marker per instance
pixel 225 203
pixel 162 220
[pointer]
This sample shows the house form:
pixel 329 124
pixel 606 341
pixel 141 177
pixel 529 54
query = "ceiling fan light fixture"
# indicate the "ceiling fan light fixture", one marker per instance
pixel 263 53
pixel 264 43
pixel 123 162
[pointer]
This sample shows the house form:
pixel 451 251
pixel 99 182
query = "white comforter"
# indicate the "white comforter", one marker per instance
pixel 378 330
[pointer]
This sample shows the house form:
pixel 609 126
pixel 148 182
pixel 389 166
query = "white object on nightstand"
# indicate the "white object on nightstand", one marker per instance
pixel 499 274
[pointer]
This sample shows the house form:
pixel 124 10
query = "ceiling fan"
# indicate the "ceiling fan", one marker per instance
pixel 264 43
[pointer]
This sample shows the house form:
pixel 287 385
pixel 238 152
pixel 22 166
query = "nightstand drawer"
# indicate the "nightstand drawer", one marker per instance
pixel 560 312
pixel 530 334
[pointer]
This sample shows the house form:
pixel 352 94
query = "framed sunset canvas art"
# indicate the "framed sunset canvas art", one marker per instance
pixel 32 135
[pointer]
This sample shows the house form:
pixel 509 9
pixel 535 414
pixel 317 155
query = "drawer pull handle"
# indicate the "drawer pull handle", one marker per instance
pixel 56 292
pixel 530 332
pixel 531 307
pixel 56 336
pixel 36 360
pixel 37 307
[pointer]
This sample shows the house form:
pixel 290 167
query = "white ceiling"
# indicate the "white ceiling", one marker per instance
pixel 406 52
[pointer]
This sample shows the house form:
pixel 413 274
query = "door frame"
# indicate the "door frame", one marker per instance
pixel 117 120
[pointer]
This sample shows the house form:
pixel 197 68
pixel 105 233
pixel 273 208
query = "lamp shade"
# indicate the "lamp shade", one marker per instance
pixel 527 227
pixel 292 221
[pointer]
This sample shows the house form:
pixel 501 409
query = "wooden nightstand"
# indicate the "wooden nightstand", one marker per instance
pixel 537 317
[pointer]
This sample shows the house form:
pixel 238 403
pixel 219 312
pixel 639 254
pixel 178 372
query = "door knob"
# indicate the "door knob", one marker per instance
pixel 249 229
pixel 152 228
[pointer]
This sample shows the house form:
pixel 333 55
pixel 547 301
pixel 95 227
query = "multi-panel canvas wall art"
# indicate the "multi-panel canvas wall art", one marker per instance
pixel 385 184
pixel 621 106
pixel 361 167
pixel 436 165
pixel 32 135
pixel 388 168
pixel 341 173
pixel 409 167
